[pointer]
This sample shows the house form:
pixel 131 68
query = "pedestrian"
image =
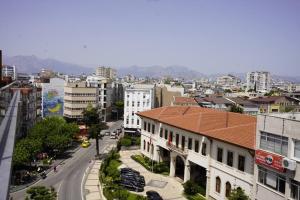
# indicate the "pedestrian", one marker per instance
pixel 54 168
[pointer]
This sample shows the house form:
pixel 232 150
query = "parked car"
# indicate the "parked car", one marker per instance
pixel 153 195
pixel 85 143
pixel 113 135
pixel 107 133
pixel 132 180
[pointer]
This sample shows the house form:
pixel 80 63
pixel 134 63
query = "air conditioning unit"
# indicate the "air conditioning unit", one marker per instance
pixel 289 164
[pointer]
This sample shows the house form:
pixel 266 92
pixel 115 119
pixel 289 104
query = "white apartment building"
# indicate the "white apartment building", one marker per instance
pixel 212 148
pixel 137 98
pixel 9 71
pixel 259 81
pixel 104 95
pixel 277 158
pixel 106 72
pixel 228 81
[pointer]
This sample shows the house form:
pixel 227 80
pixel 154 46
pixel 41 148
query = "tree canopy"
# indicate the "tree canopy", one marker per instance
pixel 238 194
pixel 41 193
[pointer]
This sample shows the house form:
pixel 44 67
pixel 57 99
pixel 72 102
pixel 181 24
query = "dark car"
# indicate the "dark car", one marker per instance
pixel 153 195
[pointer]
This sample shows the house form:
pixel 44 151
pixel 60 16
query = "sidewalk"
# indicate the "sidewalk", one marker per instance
pixel 92 186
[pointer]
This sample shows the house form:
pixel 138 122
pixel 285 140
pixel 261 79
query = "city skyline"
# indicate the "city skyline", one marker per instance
pixel 207 36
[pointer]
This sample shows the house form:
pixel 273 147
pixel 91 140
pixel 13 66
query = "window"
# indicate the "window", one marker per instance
pixel 295 189
pixel 153 128
pixel 271 180
pixel 203 150
pixel 144 145
pixel 137 122
pixel 197 146
pixel 228 189
pixel 104 92
pixel 218 184
pixel 132 121
pixel 127 103
pixel 241 164
pixel 104 105
pixel 138 104
pixel 297 149
pixel 275 143
pixel 133 104
pixel 230 158
pixel 127 120
pixel 220 154
pixel 166 134
pixel 177 140
pixel 149 126
pixel 148 146
pixel 182 142
pixel 171 136
pixel 190 143
pixel 145 126
pixel 161 132
pixel 152 148
pixel 105 85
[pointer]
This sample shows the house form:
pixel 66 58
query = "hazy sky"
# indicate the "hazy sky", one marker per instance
pixel 207 35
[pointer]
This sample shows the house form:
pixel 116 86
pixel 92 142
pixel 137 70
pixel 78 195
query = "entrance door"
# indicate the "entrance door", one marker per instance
pixel 179 170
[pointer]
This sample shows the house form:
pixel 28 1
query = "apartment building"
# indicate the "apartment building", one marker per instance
pixel 259 81
pixel 277 156
pixel 228 82
pixel 106 72
pixel 137 98
pixel 77 96
pixel 9 71
pixel 105 94
pixel 213 148
pixel 165 93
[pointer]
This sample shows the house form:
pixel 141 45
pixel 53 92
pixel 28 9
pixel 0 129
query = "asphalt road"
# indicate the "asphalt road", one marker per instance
pixel 69 176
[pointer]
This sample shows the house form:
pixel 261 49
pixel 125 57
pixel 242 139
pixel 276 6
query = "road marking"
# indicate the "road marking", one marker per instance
pixel 59 188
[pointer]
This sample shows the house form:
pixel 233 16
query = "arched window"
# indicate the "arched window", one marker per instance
pixel 228 189
pixel 144 145
pixel 218 184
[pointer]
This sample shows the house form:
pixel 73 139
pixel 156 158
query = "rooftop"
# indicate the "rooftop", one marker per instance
pixel 185 100
pixel 234 128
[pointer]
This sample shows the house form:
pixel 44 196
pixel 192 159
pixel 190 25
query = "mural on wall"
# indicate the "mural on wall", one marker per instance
pixel 53 97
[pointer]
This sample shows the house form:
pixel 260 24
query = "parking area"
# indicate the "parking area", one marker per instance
pixel 167 187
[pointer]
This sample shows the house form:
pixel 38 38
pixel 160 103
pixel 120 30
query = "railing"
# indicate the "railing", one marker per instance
pixel 173 147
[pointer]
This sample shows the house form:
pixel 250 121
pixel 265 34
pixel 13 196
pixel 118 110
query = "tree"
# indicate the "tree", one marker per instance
pixel 238 194
pixel 90 115
pixel 227 91
pixel 94 132
pixel 21 154
pixel 41 193
pixel 120 107
pixel 236 109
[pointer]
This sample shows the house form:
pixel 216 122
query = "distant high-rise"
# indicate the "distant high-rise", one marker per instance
pixel 259 81
pixel 9 71
pixel 106 72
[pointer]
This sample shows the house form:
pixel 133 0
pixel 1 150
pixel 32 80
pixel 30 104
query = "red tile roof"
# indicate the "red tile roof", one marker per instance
pixel 230 127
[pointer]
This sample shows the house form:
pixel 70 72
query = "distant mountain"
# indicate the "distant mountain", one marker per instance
pixel 159 71
pixel 33 64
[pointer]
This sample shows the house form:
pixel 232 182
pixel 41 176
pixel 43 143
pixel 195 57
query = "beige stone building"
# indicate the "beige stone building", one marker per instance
pixel 77 97
pixel 164 94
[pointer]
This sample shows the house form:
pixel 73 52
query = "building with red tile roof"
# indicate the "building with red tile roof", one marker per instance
pixel 211 147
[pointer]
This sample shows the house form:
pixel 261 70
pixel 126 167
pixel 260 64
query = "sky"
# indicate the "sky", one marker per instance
pixel 209 36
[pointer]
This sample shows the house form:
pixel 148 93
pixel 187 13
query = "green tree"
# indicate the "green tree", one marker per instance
pixel 21 155
pixel 238 194
pixel 227 91
pixel 236 109
pixel 120 108
pixel 90 115
pixel 94 132
pixel 41 193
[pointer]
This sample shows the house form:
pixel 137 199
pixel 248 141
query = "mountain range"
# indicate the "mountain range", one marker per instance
pixel 33 64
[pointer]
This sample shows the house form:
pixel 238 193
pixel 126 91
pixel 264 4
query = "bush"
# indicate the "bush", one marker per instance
pixel 161 167
pixel 191 188
pixel 125 142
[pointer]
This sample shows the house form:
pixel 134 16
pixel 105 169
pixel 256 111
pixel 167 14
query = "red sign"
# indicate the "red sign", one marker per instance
pixel 269 159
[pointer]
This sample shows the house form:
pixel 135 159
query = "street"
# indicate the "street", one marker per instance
pixel 68 179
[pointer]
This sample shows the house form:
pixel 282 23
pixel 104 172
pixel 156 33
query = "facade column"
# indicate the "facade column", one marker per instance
pixel 172 164
pixel 208 180
pixel 187 171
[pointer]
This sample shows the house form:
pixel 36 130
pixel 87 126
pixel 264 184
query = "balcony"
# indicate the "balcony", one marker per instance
pixel 178 150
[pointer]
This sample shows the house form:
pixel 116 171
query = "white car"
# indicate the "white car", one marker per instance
pixel 113 135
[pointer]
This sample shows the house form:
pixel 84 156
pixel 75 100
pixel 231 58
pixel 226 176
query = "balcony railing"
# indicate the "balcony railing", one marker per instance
pixel 178 150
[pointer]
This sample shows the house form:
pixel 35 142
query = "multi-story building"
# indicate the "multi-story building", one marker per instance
pixel 277 158
pixel 164 94
pixel 259 81
pixel 77 96
pixel 9 71
pixel 106 72
pixel 137 98
pixel 228 82
pixel 212 148
pixel 105 94
pixel 272 104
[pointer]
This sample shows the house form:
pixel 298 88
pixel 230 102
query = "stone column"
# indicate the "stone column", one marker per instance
pixel 187 171
pixel 172 164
